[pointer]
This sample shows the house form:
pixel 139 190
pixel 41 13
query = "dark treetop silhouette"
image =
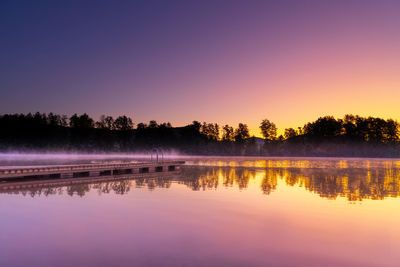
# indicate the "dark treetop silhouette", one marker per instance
pixel 327 136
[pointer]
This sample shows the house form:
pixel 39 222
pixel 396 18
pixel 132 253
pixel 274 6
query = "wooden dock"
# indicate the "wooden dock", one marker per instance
pixel 17 185
pixel 22 173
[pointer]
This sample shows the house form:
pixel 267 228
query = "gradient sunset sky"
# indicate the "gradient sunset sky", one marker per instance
pixel 214 61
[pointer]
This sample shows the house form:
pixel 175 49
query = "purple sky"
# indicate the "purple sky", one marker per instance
pixel 216 61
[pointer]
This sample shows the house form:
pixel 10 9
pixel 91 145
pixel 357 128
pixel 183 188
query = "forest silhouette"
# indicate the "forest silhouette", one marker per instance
pixel 353 136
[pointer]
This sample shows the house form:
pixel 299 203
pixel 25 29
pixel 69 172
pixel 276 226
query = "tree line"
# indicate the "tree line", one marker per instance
pixel 327 136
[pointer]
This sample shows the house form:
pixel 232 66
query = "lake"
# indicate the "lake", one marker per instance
pixel 216 212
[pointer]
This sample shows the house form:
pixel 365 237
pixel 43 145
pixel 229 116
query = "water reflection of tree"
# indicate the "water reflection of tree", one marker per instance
pixel 354 184
pixel 118 187
pixel 211 177
pixel 152 183
pixel 269 182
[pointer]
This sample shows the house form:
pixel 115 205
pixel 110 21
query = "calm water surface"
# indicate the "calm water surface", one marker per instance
pixel 217 212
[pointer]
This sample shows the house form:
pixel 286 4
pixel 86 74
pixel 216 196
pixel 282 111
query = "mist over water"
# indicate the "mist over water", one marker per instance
pixel 16 158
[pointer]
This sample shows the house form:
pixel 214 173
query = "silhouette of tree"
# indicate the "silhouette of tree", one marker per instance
pixel 391 131
pixel 228 133
pixel 83 121
pixel 196 126
pixel 370 129
pixel 153 124
pixel 326 126
pixel 268 129
pixel 123 123
pixel 141 126
pixel 109 122
pixel 300 130
pixel 64 121
pixel 101 122
pixel 350 126
pixel 210 130
pixel 242 133
pixel 54 120
pixel 165 125
pixel 105 122
pixel 40 119
pixel 351 136
pixel 290 133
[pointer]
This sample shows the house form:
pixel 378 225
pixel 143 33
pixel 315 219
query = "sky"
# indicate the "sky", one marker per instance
pixel 216 61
